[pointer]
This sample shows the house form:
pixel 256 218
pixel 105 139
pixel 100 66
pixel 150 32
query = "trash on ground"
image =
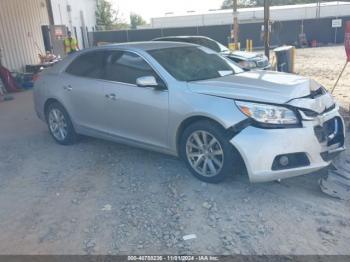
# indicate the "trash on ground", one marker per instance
pixel 337 182
pixel 189 237
pixel 107 208
pixel 206 205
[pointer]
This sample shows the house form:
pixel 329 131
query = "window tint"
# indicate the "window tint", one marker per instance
pixel 126 67
pixel 183 40
pixel 172 40
pixel 175 39
pixel 88 65
pixel 206 43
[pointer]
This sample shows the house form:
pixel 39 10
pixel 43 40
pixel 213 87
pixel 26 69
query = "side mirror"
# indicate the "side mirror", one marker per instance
pixel 149 81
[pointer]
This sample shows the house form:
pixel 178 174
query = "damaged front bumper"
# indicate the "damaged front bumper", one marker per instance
pixel 272 154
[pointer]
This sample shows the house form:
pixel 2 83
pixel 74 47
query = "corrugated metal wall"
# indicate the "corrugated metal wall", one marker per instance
pixel 253 15
pixel 20 32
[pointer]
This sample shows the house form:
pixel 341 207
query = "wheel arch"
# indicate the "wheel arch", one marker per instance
pixel 52 100
pixel 193 119
pixel 71 136
pixel 48 102
pixel 187 122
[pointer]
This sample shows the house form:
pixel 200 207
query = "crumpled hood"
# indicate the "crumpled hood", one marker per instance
pixel 246 55
pixel 259 86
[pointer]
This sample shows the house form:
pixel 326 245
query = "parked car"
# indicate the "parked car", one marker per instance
pixel 247 60
pixel 188 101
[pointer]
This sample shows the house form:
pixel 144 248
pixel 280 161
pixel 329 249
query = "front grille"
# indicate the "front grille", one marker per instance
pixel 310 113
pixel 331 132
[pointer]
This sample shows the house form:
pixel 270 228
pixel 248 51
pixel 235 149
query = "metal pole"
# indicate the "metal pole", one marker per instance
pixel 341 73
pixel 267 27
pixel 335 35
pixel 49 11
pixel 235 24
pixel 0 56
pixel 336 29
pixel 318 9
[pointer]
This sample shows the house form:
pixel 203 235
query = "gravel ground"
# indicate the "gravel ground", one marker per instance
pixel 98 197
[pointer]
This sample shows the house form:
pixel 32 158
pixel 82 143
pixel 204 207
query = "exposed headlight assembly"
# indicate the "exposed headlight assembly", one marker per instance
pixel 268 114
pixel 248 64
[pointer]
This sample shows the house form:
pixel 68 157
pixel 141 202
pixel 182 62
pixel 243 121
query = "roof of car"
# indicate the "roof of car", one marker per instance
pixel 180 37
pixel 146 46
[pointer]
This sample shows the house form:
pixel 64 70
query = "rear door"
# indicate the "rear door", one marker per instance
pixel 84 94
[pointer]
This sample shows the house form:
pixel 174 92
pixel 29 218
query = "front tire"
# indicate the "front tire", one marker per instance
pixel 60 125
pixel 207 152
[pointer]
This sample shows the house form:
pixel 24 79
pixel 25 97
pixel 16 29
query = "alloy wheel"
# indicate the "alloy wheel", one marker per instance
pixel 204 153
pixel 58 124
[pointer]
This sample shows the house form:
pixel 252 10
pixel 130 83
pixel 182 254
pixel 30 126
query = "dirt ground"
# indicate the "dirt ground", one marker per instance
pixel 98 197
pixel 324 65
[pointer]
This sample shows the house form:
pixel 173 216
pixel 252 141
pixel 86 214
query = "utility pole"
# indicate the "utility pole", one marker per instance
pixel 49 10
pixel 267 27
pixel 235 25
pixel 0 58
pixel 318 9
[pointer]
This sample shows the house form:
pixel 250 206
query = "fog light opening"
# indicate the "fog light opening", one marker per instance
pixel 287 161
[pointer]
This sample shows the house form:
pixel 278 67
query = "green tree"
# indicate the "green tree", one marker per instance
pixel 136 20
pixel 228 4
pixel 107 17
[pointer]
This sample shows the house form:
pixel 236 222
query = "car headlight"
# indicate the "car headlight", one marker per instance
pixel 248 64
pixel 268 114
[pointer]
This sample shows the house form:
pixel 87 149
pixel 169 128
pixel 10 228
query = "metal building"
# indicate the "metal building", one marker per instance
pixel 77 15
pixel 22 22
pixel 253 15
pixel 21 37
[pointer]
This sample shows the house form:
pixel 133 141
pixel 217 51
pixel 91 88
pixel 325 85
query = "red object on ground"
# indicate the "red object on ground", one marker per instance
pixel 8 80
pixel 347 40
pixel 313 43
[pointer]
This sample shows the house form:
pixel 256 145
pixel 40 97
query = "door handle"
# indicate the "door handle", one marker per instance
pixel 68 88
pixel 111 96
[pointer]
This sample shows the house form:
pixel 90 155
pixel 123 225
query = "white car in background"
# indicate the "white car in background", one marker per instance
pixel 246 60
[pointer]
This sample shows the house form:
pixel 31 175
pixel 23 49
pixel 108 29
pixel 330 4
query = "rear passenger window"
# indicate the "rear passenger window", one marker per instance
pixel 88 65
pixel 126 67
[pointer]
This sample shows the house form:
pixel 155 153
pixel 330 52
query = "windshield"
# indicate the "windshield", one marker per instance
pixel 193 63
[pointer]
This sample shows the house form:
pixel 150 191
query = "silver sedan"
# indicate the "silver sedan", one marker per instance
pixel 188 101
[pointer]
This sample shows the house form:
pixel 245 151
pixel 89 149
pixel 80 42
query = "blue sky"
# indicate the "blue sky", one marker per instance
pixel 155 8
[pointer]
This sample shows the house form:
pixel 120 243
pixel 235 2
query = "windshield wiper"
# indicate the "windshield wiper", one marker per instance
pixel 202 79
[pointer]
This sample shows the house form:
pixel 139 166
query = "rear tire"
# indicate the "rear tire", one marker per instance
pixel 207 152
pixel 60 125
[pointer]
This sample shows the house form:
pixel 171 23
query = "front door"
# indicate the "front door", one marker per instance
pixel 136 113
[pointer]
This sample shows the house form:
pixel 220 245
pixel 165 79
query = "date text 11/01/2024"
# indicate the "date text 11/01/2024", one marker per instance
pixel 173 258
